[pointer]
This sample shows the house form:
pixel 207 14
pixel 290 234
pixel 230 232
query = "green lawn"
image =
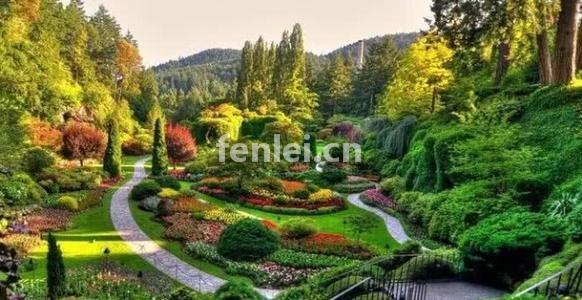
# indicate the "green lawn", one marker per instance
pixel 332 223
pixel 90 234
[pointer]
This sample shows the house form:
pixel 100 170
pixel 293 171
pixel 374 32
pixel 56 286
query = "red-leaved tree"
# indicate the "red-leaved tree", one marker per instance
pixel 180 144
pixel 43 134
pixel 82 141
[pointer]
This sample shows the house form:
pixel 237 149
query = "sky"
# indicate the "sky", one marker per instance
pixel 169 29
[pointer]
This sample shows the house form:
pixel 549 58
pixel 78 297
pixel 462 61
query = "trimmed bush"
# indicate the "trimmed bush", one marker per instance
pixel 37 159
pixel 198 166
pixel 235 290
pixel 145 189
pixel 248 239
pixel 168 182
pixel 69 203
pixel 112 157
pixel 297 228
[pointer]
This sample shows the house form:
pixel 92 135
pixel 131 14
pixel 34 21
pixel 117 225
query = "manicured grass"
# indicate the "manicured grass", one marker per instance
pixel 332 223
pixel 90 234
pixel 155 230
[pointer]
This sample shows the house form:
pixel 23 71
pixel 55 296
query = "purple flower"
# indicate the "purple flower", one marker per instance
pixel 376 196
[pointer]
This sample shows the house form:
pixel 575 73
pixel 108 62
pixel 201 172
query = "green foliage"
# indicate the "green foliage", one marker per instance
pixel 112 157
pixel 333 175
pixel 504 247
pixel 218 121
pixel 574 224
pixel 56 274
pixel 395 140
pixel 69 203
pixel 297 228
pixel 145 189
pixel 237 290
pixel 168 182
pixel 248 239
pixel 37 159
pixel 159 153
pixel 353 187
pixel 69 180
pixel 392 186
pixel 303 260
pixel 255 126
pixel 301 194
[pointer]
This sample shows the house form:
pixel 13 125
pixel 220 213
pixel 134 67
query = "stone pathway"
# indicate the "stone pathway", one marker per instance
pixel 393 225
pixel 149 250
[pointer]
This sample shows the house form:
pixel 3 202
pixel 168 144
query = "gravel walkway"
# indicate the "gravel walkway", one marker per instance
pixel 393 225
pixel 149 250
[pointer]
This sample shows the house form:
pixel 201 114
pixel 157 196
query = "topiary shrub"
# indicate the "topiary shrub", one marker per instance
pixel 297 228
pixel 37 159
pixel 145 189
pixel 168 182
pixel 248 239
pixel 235 290
pixel 69 203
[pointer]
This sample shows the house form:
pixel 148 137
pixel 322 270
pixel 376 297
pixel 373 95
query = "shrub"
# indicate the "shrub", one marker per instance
pixel 302 260
pixel 392 186
pixel 69 203
pixel 297 228
pixel 272 184
pixel 248 239
pixel 321 196
pixel 93 198
pixel 22 243
pixel 198 166
pixel 333 175
pixel 150 203
pixel 301 194
pixel 62 180
pixel 15 192
pixel 37 159
pixel 235 290
pixel 353 187
pixel 168 182
pixel 507 245
pixel 165 207
pixel 145 189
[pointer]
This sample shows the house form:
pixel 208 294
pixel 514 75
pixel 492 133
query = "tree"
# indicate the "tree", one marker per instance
pixel 56 274
pixel 422 74
pixel 339 78
pixel 112 158
pixel 104 34
pixel 180 144
pixel 244 83
pixel 379 67
pixel 159 152
pixel 82 141
pixel 566 36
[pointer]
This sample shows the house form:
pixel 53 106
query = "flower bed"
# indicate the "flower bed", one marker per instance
pixel 354 186
pixel 298 167
pixel 22 243
pixel 188 205
pixel 297 259
pixel 290 187
pixel 223 215
pixel 181 228
pixel 375 197
pixel 48 219
pixel 322 202
pixel 329 244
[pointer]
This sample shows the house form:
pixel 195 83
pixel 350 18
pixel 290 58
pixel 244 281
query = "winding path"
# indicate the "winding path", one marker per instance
pixel 149 250
pixel 393 225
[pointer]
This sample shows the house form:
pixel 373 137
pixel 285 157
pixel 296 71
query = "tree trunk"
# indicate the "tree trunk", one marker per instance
pixel 579 48
pixel 82 162
pixel 565 66
pixel 545 58
pixel 503 50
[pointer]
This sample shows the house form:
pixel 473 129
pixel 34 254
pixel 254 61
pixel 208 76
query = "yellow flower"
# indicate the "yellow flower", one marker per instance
pixel 321 196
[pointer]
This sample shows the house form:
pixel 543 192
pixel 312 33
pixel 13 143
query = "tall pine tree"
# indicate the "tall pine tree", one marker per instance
pixel 160 152
pixel 245 77
pixel 112 158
